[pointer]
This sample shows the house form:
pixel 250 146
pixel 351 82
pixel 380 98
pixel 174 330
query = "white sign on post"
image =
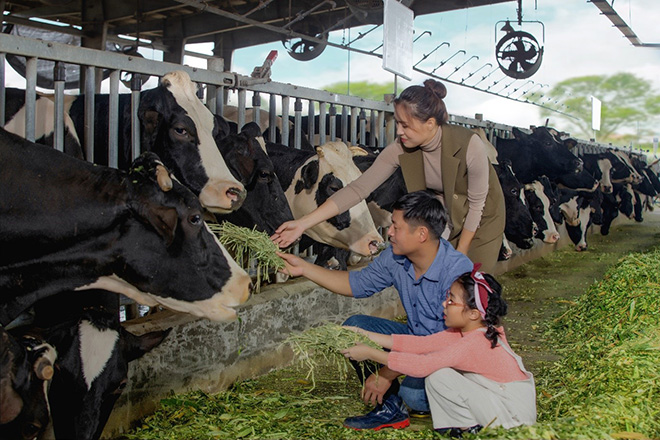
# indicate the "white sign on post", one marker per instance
pixel 595 114
pixel 398 39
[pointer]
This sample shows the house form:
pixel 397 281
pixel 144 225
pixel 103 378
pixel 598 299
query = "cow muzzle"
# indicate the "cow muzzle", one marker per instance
pixel 222 197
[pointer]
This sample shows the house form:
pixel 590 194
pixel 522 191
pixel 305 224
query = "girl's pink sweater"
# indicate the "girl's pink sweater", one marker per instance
pixel 419 356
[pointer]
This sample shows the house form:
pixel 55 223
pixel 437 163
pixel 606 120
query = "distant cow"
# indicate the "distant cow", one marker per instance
pixel 540 198
pixel 600 166
pixel 265 206
pixel 519 227
pixel 623 170
pixel 26 366
pixel 176 126
pixel 589 212
pixel 310 178
pixel 67 224
pixel 537 154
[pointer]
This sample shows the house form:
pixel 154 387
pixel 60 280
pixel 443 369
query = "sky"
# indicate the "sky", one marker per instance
pixel 577 40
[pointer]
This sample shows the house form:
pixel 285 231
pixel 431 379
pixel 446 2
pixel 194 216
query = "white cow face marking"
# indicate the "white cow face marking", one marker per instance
pixel 96 347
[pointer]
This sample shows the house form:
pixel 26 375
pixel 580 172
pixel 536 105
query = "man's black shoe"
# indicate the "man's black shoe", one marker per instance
pixel 458 432
pixel 419 414
pixel 392 413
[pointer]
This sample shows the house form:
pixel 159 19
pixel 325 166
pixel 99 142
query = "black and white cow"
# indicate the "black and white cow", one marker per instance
pixel 26 367
pixel 94 351
pixel 44 121
pixel 625 196
pixel 589 205
pixel 176 126
pixel 310 178
pixel 542 153
pixel 623 170
pixel 541 197
pixel 67 224
pixel 265 206
pixel 519 227
pixel 600 166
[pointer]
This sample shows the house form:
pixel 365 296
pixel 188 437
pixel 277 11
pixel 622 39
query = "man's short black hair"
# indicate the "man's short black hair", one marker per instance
pixel 423 208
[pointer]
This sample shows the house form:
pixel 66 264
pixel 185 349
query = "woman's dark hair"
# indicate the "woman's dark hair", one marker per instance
pixel 496 305
pixel 423 208
pixel 425 102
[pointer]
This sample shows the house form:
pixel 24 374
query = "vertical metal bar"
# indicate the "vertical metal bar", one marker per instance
pixel 242 97
pixel 3 96
pixel 333 122
pixel 381 129
pixel 220 101
pixel 344 123
pixel 113 120
pixel 59 77
pixel 285 119
pixel 354 126
pixel 311 123
pixel 363 127
pixel 256 109
pixel 30 97
pixel 136 86
pixel 272 117
pixel 322 113
pixel 214 94
pixel 373 130
pixel 297 123
pixel 90 89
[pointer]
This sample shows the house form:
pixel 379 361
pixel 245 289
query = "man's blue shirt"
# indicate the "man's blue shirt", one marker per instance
pixel 422 298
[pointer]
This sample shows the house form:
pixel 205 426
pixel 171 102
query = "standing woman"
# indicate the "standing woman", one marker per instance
pixel 447 159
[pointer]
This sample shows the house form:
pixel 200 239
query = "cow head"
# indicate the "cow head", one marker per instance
pixel 540 200
pixel 519 226
pixel 622 169
pixel 198 276
pixel 569 206
pixel 27 367
pixel 180 129
pixel 625 197
pixel 551 155
pixel 321 176
pixel 265 206
pixel 92 370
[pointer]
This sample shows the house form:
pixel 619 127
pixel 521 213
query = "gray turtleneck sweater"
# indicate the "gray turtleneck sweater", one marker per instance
pixel 388 161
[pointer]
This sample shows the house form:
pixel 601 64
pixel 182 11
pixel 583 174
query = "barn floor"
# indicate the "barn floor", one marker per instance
pixel 537 292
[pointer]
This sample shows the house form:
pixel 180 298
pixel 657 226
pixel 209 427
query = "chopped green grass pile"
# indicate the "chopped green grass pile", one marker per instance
pixel 323 345
pixel 606 384
pixel 249 245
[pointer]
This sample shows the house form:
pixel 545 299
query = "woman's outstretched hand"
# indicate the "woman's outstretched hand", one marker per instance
pixel 288 233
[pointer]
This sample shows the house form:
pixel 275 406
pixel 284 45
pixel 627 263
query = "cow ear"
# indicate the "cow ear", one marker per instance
pixel 319 151
pixel 140 345
pixel 164 220
pixel 358 151
pixel 309 175
pixel 570 143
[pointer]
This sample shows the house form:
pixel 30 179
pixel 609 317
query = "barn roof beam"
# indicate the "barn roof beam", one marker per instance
pixel 607 10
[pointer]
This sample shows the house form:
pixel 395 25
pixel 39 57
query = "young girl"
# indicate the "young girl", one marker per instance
pixel 473 378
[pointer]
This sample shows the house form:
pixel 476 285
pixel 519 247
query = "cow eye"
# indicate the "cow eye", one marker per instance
pixel 181 131
pixel 31 429
pixel 264 176
pixel 195 219
pixel 514 191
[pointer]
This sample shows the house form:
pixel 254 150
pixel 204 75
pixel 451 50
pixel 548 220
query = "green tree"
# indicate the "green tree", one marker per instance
pixel 363 89
pixel 630 106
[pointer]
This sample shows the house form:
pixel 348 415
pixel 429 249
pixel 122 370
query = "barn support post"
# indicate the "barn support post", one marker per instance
pixel 59 77
pixel 113 120
pixel 374 128
pixel 214 94
pixel 322 128
pixel 363 127
pixel 30 97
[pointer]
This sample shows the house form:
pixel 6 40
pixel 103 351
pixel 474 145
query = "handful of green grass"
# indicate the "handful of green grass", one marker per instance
pixel 322 346
pixel 249 245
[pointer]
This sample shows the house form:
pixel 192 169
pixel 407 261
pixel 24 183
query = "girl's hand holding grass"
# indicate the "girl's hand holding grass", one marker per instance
pixel 360 352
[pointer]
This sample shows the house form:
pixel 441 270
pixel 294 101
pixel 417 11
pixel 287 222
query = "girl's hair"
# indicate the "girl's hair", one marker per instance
pixel 496 305
pixel 425 102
